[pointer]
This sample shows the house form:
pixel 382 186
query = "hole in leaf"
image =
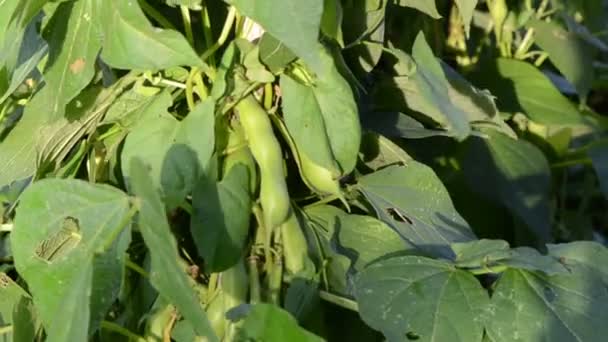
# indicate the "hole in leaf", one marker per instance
pixel 61 242
pixel 412 336
pixel 397 216
pixel 5 281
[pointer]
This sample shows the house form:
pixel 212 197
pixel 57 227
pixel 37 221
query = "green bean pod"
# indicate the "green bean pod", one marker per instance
pixel 266 151
pixel 239 152
pixel 318 178
pixel 295 249
pixel 216 314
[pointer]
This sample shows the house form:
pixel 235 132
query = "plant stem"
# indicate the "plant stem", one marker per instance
pixel 223 35
pixel 156 15
pixel 134 208
pixel 573 162
pixel 254 280
pixel 490 269
pixel 339 300
pixel 136 268
pixel 187 23
pixel 111 326
pixel 268 96
pixel 207 34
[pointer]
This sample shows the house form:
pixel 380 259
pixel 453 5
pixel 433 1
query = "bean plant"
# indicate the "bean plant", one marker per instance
pixel 303 170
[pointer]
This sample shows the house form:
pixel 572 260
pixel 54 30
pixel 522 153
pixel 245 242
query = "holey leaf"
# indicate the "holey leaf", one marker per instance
pixel 314 113
pixel 131 42
pixel 414 202
pixel 69 243
pixel 296 23
pixel 422 299
pixel 166 274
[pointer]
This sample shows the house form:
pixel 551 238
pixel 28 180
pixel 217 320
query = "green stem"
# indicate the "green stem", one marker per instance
pixel 207 34
pixel 323 201
pixel 187 23
pixel 121 225
pixel 254 280
pixel 490 269
pixel 525 45
pixel 156 15
pixel 268 96
pixel 136 268
pixel 338 300
pixel 567 163
pixel 111 326
pixel 223 35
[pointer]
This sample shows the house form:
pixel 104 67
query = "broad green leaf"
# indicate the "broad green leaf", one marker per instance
pixel 314 113
pixel 427 92
pixel 297 26
pixel 69 244
pixel 73 47
pixel 269 323
pixel 131 42
pixel 274 54
pixel 466 9
pixel 25 320
pixel 521 87
pixel 585 255
pixel 412 200
pixel 331 21
pixel 379 152
pixel 425 6
pixel 220 218
pixel 128 109
pixel 166 274
pixel 526 258
pixel 514 174
pixel 27 10
pixel 569 53
pixel 479 252
pixel 529 306
pixel 220 83
pixel 177 153
pixel 412 297
pixel 599 156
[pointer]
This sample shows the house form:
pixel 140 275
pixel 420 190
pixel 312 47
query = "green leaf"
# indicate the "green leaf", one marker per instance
pixel 314 113
pixel 521 87
pixel 177 153
pixel 297 26
pixel 514 174
pixel 599 156
pixel 412 297
pixel 379 152
pixel 131 42
pixel 466 8
pixel 414 202
pixel 526 258
pixel 331 21
pixel 269 323
pixel 69 243
pixel 569 53
pixel 528 306
pixel 274 54
pixel 584 255
pixel 220 218
pixel 427 7
pixel 166 274
pixel 479 252
pixel 73 47
pixel 10 296
pixel 27 10
pixel 427 92
pixel 18 55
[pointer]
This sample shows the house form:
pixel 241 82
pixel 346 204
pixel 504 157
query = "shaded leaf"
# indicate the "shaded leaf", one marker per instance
pixel 412 297
pixel 313 113
pixel 274 54
pixel 427 7
pixel 177 153
pixel 166 274
pixel 220 218
pixel 414 202
pixel 514 174
pixel 570 54
pixel 583 255
pixel 479 252
pixel 599 156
